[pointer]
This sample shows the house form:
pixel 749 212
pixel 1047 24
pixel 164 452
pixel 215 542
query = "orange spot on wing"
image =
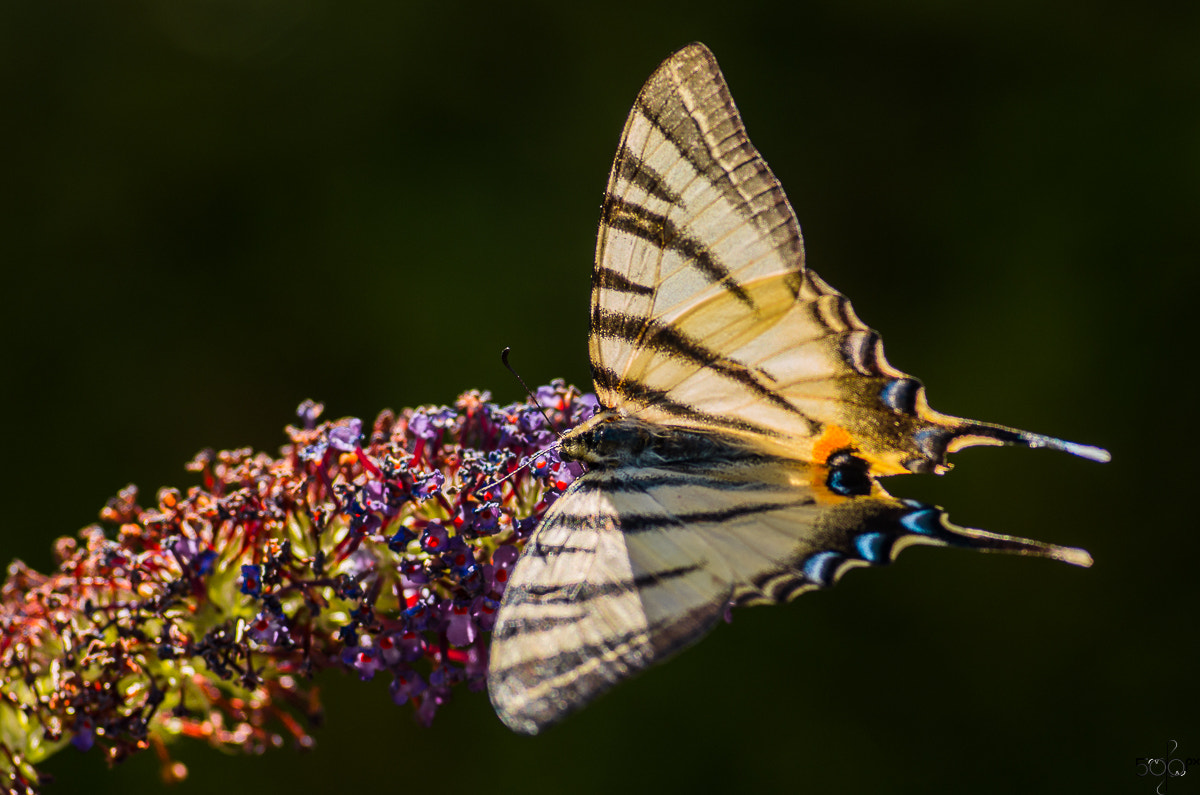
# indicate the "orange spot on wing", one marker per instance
pixel 831 440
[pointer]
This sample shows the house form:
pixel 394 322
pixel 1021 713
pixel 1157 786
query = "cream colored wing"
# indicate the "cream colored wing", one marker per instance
pixel 704 315
pixel 634 563
pixel 588 605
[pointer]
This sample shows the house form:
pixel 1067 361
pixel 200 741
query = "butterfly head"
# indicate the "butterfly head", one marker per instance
pixel 607 439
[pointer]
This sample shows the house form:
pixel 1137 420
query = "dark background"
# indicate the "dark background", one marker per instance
pixel 212 210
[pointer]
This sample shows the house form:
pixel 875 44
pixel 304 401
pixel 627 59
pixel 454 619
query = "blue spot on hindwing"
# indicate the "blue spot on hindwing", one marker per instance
pixel 900 395
pixel 821 567
pixel 923 521
pixel 932 444
pixel 873 547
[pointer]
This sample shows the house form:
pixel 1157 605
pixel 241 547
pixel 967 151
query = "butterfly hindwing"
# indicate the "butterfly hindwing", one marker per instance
pixel 634 563
pixel 590 603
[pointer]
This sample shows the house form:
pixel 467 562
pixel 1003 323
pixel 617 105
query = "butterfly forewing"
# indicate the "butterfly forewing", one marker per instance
pixel 703 314
pixel 691 213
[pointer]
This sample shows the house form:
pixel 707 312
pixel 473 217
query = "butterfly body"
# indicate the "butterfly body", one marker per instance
pixel 609 440
pixel 747 414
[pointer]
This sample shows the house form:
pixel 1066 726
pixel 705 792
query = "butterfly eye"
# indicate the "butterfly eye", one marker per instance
pixel 573 448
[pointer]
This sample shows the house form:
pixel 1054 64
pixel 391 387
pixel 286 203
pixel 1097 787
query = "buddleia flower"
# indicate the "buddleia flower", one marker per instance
pixel 207 612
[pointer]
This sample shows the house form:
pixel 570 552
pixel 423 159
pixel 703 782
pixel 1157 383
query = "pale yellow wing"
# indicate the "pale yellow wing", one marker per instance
pixel 634 563
pixel 704 315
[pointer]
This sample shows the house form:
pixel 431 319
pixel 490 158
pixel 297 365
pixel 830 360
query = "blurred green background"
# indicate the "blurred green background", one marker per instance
pixel 214 209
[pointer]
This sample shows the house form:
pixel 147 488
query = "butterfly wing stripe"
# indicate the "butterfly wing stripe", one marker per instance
pixel 545 550
pixel 550 594
pixel 675 125
pixel 673 342
pixel 614 281
pixel 661 479
pixel 634 524
pixel 688 103
pixel 573 660
pixel 609 384
pixel 659 231
pixel 637 172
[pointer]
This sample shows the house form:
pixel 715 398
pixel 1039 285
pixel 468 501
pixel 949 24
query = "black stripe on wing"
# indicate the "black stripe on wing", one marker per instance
pixel 618 481
pixel 605 278
pixel 635 392
pixel 632 169
pixel 661 232
pixel 719 149
pixel 539 549
pixel 684 132
pixel 546 594
pixel 577 674
pixel 632 524
pixel 674 342
pixel 533 671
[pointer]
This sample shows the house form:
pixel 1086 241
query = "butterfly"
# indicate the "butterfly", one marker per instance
pixel 746 414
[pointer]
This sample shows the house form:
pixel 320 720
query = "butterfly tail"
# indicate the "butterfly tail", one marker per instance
pixel 868 530
pixel 928 524
pixel 924 437
pixel 872 531
pixel 897 431
pixel 971 434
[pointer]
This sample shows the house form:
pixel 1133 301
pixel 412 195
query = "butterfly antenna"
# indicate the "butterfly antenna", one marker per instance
pixel 528 463
pixel 517 471
pixel 528 391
